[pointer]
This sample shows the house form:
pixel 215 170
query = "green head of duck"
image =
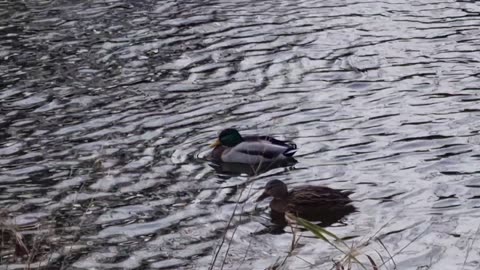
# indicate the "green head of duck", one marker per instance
pixel 230 137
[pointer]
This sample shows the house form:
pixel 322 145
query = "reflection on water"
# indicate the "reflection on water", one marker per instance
pixel 108 108
pixel 235 169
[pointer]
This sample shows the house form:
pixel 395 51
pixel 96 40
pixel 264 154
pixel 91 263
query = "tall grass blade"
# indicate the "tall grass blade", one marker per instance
pixel 322 234
pixel 374 265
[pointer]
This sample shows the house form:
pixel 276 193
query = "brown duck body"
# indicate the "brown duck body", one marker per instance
pixel 314 202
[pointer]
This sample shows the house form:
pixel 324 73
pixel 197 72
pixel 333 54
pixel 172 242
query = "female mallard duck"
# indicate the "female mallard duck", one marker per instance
pixel 232 147
pixel 315 203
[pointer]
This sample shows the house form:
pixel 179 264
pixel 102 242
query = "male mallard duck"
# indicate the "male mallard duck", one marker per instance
pixel 315 203
pixel 232 147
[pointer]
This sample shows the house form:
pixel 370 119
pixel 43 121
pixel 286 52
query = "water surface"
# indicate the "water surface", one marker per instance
pixel 108 107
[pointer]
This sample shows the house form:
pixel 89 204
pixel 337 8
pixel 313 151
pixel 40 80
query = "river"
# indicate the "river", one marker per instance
pixel 107 109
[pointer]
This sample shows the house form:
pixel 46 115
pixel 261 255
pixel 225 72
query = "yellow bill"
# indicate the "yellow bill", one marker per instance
pixel 215 144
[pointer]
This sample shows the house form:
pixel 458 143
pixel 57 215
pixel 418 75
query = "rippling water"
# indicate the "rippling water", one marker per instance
pixel 107 109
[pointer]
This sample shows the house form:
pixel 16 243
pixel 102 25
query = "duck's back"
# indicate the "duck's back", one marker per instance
pixel 267 146
pixel 318 203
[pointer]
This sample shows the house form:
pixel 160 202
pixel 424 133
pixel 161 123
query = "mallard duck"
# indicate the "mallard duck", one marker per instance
pixel 315 203
pixel 232 147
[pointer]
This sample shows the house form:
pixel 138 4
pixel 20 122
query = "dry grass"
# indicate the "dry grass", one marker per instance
pixel 350 253
pixel 371 254
pixel 35 246
pixel 248 184
pixel 26 247
pixel 12 243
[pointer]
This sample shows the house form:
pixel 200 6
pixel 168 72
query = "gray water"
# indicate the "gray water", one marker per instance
pixel 108 107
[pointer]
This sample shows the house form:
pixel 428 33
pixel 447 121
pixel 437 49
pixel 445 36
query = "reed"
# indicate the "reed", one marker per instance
pixel 350 253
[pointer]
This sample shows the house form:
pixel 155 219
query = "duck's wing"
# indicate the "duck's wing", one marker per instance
pixel 248 153
pixel 291 147
pixel 262 149
pixel 319 204
pixel 318 196
pixel 270 147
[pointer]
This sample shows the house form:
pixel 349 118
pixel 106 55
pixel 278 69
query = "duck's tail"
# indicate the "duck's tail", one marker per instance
pixel 291 150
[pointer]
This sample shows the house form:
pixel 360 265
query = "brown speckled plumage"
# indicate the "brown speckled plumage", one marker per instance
pixel 309 202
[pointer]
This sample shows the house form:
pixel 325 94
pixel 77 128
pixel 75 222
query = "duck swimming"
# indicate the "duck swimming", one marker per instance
pixel 315 203
pixel 233 148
